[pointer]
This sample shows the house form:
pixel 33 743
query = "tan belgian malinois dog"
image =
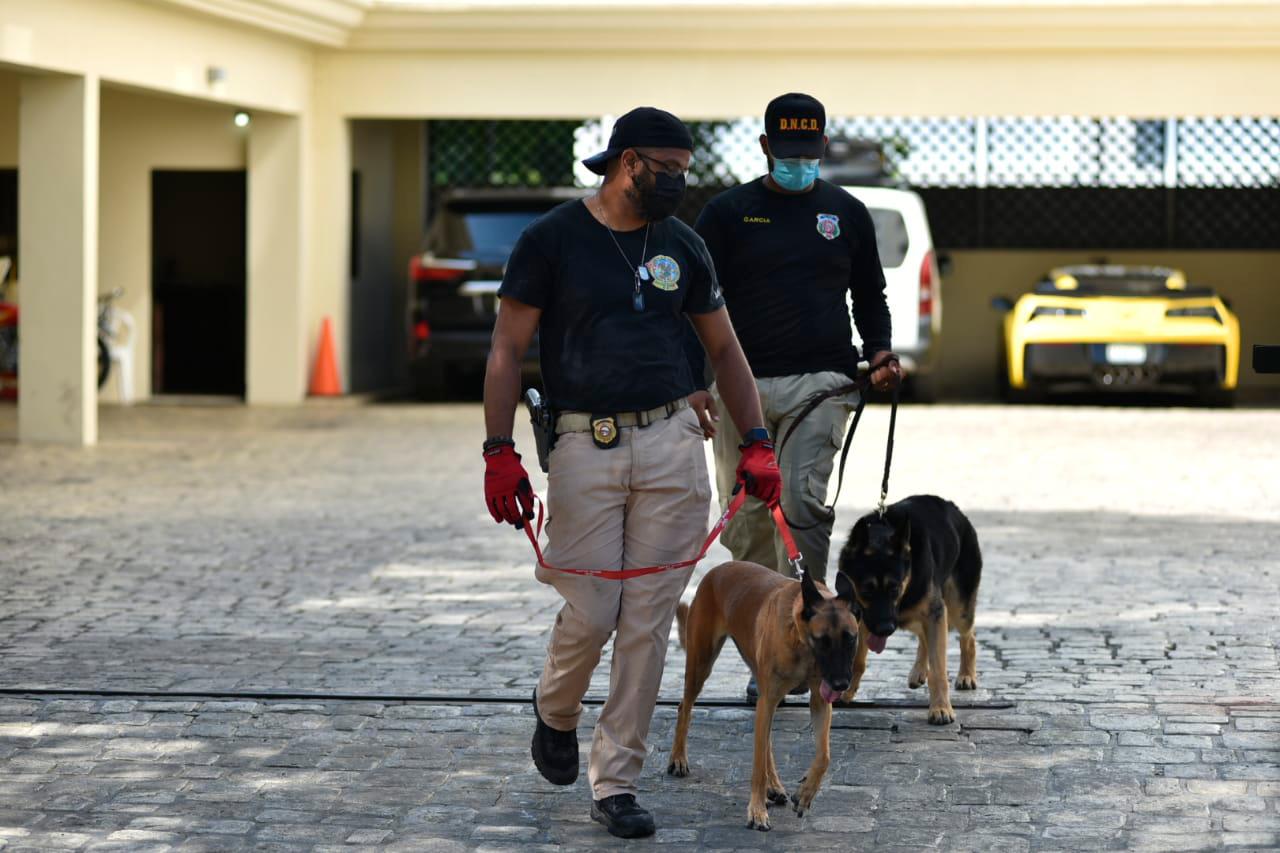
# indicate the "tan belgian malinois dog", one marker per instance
pixel 790 633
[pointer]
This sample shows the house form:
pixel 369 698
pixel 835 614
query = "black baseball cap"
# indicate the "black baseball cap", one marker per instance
pixel 643 127
pixel 795 124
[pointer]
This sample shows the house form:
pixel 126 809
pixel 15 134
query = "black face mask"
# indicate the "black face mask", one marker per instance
pixel 659 198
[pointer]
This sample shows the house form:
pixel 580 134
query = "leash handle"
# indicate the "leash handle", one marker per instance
pixel 888 453
pixel 862 384
pixel 788 540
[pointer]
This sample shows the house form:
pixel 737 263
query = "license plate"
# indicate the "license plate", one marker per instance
pixel 1126 353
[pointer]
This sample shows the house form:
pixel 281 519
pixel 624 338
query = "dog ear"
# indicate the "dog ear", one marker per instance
pixel 858 537
pixel 844 588
pixel 902 535
pixel 812 598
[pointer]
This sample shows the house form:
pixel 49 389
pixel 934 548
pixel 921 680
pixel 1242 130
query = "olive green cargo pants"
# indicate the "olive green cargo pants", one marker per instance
pixel 806 464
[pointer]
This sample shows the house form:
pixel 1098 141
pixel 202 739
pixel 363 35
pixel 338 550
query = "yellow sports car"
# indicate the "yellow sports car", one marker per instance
pixel 1120 328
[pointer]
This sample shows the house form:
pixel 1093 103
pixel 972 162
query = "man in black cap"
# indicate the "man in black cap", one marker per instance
pixel 789 249
pixel 611 283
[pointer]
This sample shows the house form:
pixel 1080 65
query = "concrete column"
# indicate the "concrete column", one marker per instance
pixel 276 368
pixel 329 231
pixel 58 251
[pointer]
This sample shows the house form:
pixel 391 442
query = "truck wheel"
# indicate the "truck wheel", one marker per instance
pixel 923 389
pixel 1033 393
pixel 430 381
pixel 1217 397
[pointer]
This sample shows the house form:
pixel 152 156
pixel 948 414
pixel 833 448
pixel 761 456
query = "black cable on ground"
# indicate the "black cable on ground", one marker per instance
pixel 437 698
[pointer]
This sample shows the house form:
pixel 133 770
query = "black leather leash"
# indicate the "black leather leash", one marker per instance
pixel 862 386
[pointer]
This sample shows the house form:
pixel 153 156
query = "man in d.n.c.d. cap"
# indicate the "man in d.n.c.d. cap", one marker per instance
pixel 608 283
pixel 789 249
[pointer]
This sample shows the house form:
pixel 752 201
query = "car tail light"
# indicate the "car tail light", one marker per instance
pixel 421 331
pixel 430 268
pixel 926 285
pixel 1056 311
pixel 1207 311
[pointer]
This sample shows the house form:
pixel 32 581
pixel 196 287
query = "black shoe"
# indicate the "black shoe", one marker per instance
pixel 753 690
pixel 622 816
pixel 555 753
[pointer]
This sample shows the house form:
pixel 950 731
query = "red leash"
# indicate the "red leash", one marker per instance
pixel 739 498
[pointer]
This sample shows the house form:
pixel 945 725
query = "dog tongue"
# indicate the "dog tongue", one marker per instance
pixel 828 695
pixel 876 643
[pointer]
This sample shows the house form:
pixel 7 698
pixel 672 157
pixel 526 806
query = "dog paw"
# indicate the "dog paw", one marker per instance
pixel 802 800
pixel 758 818
pixel 678 767
pixel 776 797
pixel 917 677
pixel 848 695
pixel 942 715
pixel 966 682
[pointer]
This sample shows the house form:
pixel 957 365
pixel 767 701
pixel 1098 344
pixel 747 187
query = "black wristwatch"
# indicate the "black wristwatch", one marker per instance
pixel 751 436
pixel 498 441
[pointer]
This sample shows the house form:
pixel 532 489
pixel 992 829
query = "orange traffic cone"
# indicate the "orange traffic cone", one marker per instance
pixel 324 377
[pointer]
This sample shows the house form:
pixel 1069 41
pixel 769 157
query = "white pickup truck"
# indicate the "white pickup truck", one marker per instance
pixel 913 285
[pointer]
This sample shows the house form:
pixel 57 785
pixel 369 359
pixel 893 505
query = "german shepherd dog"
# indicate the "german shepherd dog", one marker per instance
pixel 790 633
pixel 917 568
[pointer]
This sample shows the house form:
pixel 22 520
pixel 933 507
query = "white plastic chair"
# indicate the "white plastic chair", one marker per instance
pixel 120 348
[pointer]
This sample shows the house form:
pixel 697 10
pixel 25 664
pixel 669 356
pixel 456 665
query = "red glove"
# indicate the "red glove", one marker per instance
pixel 506 486
pixel 758 472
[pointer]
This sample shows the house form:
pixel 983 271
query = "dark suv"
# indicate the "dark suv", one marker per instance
pixel 453 284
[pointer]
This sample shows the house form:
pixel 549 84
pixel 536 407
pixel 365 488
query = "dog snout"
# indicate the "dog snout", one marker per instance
pixel 884 629
pixel 839 685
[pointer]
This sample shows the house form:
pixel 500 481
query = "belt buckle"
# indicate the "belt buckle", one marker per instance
pixel 604 431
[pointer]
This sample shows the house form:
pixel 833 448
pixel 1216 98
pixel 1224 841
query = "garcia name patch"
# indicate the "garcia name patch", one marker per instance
pixel 665 272
pixel 829 225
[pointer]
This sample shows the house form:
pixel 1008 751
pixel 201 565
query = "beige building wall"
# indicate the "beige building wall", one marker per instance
pixel 157 62
pixel 332 62
pixel 275 281
pixel 730 83
pixel 1091 60
pixel 58 247
pixel 142 133
pixel 157 46
pixel 971 329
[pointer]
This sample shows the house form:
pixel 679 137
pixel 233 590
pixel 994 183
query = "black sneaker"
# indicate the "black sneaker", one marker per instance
pixel 555 753
pixel 753 690
pixel 622 816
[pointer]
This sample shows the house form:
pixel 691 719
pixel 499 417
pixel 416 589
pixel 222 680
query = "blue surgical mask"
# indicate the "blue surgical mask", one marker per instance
pixel 795 174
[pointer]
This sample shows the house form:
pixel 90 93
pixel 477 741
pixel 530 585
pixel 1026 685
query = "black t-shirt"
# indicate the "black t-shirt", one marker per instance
pixel 786 263
pixel 598 353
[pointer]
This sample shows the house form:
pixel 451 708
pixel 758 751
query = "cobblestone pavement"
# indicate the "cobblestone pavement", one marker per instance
pixel 1130 688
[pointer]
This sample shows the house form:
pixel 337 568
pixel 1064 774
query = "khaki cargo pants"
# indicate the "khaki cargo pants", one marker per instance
pixel 644 502
pixel 806 465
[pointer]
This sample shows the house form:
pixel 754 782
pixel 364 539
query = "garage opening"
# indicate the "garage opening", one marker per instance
pixel 198 248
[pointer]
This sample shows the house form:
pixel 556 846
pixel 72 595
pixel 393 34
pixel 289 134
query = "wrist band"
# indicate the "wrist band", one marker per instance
pixel 498 441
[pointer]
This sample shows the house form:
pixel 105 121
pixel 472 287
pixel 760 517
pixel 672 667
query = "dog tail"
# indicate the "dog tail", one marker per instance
pixel 682 619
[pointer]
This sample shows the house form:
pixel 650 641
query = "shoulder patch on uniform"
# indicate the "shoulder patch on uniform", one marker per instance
pixel 665 272
pixel 829 225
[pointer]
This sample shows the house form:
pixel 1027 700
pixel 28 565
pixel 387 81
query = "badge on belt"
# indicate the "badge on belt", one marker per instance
pixel 604 431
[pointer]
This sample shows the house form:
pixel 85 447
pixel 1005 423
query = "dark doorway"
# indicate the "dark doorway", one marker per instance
pixel 198 282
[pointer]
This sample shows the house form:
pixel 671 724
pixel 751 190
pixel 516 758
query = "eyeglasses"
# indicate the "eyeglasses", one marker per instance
pixel 674 170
